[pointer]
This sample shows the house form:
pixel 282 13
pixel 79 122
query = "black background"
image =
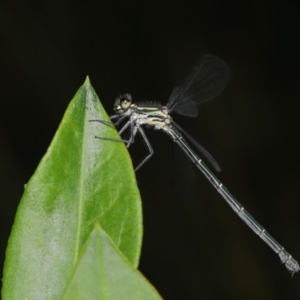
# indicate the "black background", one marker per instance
pixel 194 247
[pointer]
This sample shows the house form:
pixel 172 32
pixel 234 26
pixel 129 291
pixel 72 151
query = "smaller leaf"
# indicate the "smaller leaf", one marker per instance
pixel 103 272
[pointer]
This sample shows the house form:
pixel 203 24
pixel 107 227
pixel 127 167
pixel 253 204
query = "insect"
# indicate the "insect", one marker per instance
pixel 207 80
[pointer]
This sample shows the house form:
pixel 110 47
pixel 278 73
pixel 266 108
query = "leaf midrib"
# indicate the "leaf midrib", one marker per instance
pixel 81 188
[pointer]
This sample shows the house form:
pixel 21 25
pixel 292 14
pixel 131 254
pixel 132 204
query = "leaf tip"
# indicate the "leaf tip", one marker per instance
pixel 87 81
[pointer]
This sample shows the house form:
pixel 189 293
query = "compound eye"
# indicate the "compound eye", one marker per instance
pixel 126 101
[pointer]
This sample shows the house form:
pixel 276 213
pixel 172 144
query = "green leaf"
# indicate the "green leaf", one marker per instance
pixel 104 273
pixel 79 180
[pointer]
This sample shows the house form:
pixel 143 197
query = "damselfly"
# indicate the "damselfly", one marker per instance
pixel 207 80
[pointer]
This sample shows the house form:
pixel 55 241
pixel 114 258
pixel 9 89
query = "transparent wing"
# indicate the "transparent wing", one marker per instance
pixel 181 175
pixel 206 154
pixel 207 80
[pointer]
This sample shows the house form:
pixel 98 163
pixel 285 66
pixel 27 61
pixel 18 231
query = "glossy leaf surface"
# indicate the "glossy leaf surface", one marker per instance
pixel 79 180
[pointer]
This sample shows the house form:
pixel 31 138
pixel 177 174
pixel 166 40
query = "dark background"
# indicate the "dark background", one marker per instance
pixel 195 247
